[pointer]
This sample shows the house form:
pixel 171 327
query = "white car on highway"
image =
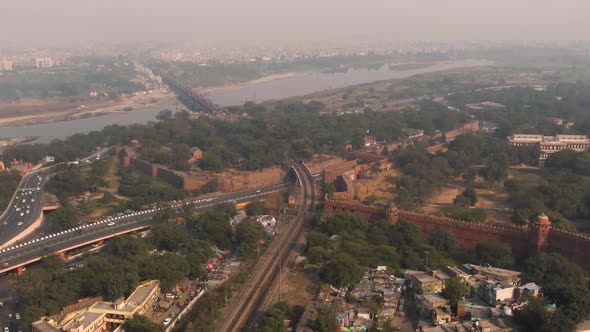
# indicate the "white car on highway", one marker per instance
pixel 112 223
pixel 20 223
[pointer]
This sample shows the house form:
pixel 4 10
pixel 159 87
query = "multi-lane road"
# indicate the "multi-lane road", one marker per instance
pixel 256 287
pixel 26 206
pixel 31 251
pixel 24 209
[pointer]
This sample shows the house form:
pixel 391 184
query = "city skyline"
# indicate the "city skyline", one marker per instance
pixel 208 23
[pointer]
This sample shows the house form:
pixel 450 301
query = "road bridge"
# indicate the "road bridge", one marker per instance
pixel 20 255
pixel 15 222
pixel 190 97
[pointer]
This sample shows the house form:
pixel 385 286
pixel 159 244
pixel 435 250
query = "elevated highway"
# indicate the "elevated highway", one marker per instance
pixel 16 223
pixel 17 256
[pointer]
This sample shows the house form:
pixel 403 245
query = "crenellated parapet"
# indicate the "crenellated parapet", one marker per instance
pixel 332 207
pixel 539 237
pixel 443 221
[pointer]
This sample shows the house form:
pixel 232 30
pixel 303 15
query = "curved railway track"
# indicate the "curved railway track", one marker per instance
pixel 253 292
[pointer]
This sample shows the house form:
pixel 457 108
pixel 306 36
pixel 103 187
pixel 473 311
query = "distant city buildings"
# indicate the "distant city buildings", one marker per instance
pixel 6 65
pixel 551 144
pixel 46 62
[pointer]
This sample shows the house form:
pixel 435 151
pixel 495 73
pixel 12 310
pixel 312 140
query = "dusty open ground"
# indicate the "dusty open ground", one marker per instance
pixel 229 87
pixel 379 187
pixel 29 111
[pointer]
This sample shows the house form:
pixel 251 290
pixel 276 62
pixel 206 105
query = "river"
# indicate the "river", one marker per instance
pixel 277 89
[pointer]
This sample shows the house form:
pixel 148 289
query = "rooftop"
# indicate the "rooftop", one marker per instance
pixel 558 139
pixel 44 326
pixel 489 270
pixel 83 320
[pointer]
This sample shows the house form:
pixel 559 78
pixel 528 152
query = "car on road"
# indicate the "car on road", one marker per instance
pixel 169 295
pixel 9 316
pixel 28 211
pixel 6 329
pixel 166 321
pixel 32 200
pixel 258 191
pixel 112 223
pixel 22 214
pixel 19 223
pixel 17 315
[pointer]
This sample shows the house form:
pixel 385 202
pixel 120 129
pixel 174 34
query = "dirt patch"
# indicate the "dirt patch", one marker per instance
pixel 495 201
pixel 97 213
pixel 29 111
pixel 381 187
pixel 296 287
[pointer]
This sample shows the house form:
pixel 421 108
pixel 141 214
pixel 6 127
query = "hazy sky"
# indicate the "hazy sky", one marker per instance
pixel 291 21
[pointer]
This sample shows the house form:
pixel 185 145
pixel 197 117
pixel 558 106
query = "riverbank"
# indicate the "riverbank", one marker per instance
pixel 6 142
pixel 268 78
pixel 67 112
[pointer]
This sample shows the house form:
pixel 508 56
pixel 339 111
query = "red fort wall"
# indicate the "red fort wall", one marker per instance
pixel 572 246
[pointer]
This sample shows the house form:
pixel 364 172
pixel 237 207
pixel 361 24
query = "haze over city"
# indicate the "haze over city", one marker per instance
pixel 290 22
pixel 294 165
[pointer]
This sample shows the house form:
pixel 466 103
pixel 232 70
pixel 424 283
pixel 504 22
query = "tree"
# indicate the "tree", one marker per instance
pixel 454 291
pixel 140 323
pixel 533 316
pixel 563 283
pixel 494 253
pixel 164 115
pixel 64 218
pixel 329 189
pixel 461 201
pixel 316 254
pixel 255 209
pixel 249 232
pixel 494 172
pixel 443 240
pixel 168 236
pixel 342 270
pixel 471 195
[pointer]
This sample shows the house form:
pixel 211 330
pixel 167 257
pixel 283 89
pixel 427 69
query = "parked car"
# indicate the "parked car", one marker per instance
pixel 169 295
pixel 167 321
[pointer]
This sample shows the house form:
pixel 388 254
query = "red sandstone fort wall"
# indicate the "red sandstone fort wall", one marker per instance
pixel 470 234
pixel 317 164
pixel 572 246
pixel 575 247
pixel 334 171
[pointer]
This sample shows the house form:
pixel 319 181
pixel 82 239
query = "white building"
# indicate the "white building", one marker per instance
pixel 6 65
pixel 41 63
pixel 551 144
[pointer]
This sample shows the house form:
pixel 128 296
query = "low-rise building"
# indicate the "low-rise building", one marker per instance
pixel 102 316
pixel 493 272
pixel 427 282
pixel 493 292
pixel 551 144
pixel 427 303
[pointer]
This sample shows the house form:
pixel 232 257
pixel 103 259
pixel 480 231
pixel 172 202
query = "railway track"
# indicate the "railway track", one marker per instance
pixel 252 294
